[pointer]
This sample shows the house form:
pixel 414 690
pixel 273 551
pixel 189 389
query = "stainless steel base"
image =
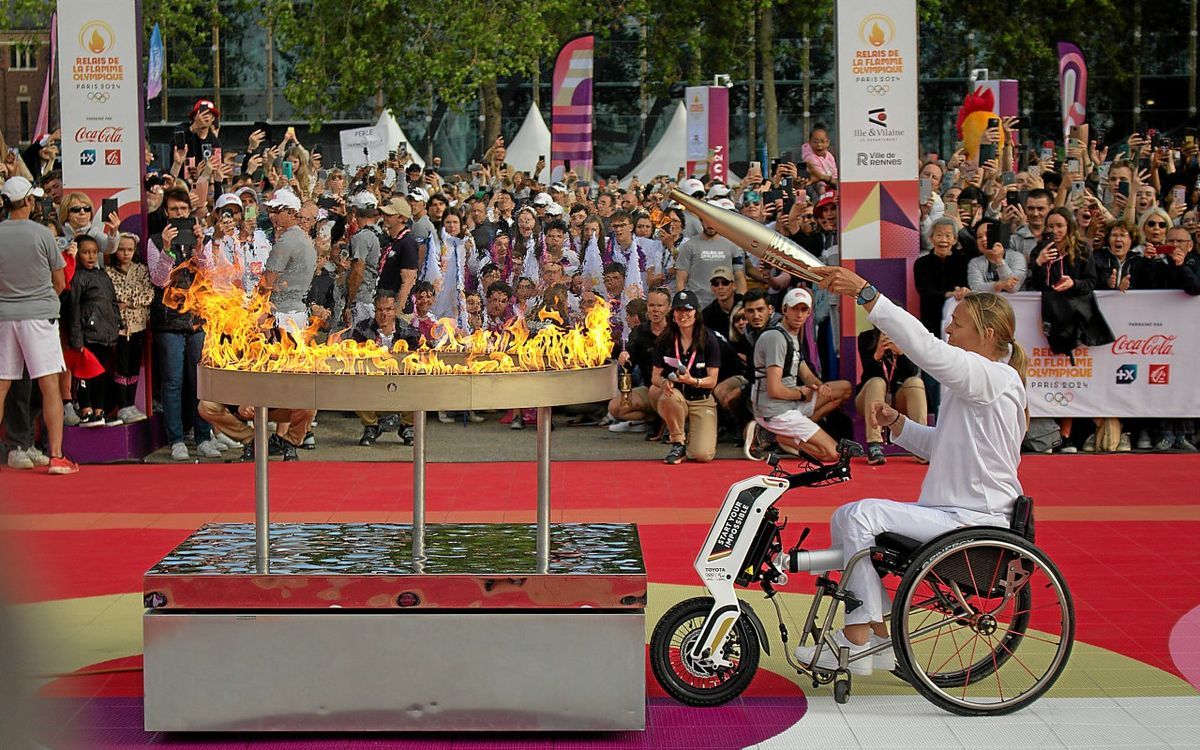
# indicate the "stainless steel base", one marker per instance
pixel 384 671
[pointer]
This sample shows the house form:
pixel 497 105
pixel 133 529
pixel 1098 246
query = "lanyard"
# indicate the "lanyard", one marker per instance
pixel 888 363
pixel 679 357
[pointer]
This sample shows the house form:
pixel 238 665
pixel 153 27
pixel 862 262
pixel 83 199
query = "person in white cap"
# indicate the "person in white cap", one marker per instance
pixel 238 241
pixel 366 252
pixel 787 399
pixel 31 278
pixel 289 268
pixel 691 223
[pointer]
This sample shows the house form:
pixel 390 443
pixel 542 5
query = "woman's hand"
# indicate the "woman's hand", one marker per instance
pixel 839 280
pixel 882 415
pixel 1124 285
pixel 960 292
pixel 112 224
pixel 1049 254
pixel 1065 283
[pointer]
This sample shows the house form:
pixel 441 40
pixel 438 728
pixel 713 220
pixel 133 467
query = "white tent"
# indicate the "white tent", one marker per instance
pixel 531 141
pixel 668 155
pixel 396 136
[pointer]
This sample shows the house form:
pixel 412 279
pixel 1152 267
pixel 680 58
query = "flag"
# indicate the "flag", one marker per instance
pixel 571 113
pixel 154 70
pixel 43 121
pixel 1072 79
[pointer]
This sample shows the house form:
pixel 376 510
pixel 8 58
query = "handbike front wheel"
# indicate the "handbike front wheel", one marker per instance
pixel 964 607
pixel 681 676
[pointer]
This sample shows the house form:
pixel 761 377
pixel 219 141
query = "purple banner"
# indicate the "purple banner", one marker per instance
pixel 1072 79
pixel 571 112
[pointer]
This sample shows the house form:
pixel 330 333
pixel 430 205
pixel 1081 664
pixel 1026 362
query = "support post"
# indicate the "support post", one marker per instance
pixel 418 522
pixel 543 489
pixel 262 518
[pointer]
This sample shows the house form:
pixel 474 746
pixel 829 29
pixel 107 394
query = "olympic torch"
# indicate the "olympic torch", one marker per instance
pixel 753 237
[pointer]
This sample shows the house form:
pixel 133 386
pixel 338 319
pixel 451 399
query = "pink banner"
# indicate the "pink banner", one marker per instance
pixel 1072 79
pixel 43 121
pixel 718 133
pixel 571 112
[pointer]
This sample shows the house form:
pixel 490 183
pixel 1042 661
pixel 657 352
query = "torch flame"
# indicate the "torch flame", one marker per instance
pixel 96 42
pixel 239 337
pixel 876 36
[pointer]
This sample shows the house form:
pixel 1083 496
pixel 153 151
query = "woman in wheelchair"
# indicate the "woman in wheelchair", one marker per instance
pixel 973 452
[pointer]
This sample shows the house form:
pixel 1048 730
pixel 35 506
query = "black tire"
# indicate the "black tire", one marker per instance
pixel 841 688
pixel 988 677
pixel 688 684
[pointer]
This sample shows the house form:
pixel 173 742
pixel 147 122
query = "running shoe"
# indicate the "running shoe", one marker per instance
pixel 63 465
pixel 19 459
pixel 677 454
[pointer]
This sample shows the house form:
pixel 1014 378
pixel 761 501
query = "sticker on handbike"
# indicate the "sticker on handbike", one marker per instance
pixel 731 529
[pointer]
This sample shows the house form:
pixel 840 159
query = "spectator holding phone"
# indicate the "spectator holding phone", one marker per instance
pixel 1153 225
pixel 1028 221
pixel 198 136
pixel 996 268
pixel 1118 266
pixel 79 217
pixel 888 376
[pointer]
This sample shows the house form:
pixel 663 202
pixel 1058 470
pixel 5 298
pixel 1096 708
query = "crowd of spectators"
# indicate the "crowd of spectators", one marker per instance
pixel 714 344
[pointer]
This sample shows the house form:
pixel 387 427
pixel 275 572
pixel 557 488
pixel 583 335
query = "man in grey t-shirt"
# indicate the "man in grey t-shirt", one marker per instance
pixel 289 268
pixel 365 251
pixel 789 403
pixel 31 278
pixel 700 256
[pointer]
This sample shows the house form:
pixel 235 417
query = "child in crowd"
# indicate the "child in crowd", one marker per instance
pixel 94 323
pixel 131 281
pixel 474 312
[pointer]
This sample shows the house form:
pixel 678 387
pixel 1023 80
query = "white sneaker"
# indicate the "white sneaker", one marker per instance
pixel 71 417
pixel 1123 446
pixel 1089 445
pixel 19 459
pixel 227 443
pixel 474 418
pixel 35 455
pixel 829 659
pixel 883 660
pixel 209 448
pixel 179 452
pixel 445 418
pixel 628 426
pixel 131 414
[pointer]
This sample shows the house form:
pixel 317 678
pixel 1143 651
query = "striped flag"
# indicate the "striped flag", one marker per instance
pixel 1072 79
pixel 154 72
pixel 43 121
pixel 571 115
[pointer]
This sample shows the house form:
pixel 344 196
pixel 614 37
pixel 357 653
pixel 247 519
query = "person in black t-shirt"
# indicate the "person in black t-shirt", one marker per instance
pixel 889 376
pixel 200 132
pixel 687 361
pixel 717 313
pixel 634 410
pixel 398 272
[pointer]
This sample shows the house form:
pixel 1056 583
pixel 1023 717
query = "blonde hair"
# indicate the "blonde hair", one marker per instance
pixel 74 197
pixel 305 176
pixel 989 310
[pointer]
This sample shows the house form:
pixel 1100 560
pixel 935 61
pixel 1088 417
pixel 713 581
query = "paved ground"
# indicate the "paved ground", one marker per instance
pixel 337 440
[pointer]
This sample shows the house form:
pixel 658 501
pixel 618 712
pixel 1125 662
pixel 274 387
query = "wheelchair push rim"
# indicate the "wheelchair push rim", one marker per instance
pixel 983 624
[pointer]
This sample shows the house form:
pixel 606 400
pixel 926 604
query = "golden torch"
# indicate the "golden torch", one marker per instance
pixel 752 237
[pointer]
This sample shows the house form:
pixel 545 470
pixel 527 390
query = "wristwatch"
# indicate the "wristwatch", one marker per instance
pixel 866 294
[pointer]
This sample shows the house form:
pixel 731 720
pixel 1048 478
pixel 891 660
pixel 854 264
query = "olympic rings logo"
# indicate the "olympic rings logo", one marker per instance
pixel 1060 398
pixel 878 89
pixel 100 97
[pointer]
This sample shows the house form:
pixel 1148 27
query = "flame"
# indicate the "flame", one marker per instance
pixel 96 42
pixel 876 36
pixel 238 337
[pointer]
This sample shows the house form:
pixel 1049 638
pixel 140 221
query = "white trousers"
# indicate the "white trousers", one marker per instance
pixel 854 527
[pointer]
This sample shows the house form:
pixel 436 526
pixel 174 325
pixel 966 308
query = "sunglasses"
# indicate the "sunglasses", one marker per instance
pixel 720 282
pixel 1160 224
pixel 88 210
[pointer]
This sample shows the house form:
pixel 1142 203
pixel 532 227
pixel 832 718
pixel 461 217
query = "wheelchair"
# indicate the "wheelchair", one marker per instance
pixel 982 622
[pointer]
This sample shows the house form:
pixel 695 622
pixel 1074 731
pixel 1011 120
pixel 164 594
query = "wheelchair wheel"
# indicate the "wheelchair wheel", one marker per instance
pixel 697 684
pixel 983 622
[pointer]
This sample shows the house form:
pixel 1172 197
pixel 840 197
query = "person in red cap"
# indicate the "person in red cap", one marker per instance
pixel 200 132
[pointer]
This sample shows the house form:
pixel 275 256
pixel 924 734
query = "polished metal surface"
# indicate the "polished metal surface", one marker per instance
pixel 543 487
pixel 386 549
pixel 406 392
pixel 418 539
pixel 262 510
pixel 753 237
pixel 389 671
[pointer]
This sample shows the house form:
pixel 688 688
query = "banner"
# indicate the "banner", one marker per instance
pixel 154 68
pixel 877 146
pixel 365 145
pixel 1072 82
pixel 1152 369
pixel 1006 94
pixel 43 121
pixel 571 112
pixel 708 132
pixel 100 100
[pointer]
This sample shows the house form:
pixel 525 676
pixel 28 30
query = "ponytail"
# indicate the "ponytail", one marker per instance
pixel 1019 361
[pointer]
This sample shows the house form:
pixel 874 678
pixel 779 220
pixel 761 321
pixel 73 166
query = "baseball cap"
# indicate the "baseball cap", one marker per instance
pixel 691 186
pixel 718 191
pixel 18 189
pixel 364 201
pixel 227 199
pixel 542 199
pixel 412 167
pixel 685 300
pixel 826 199
pixel 724 203
pixel 247 189
pixel 397 206
pixel 284 198
pixel 558 187
pixel 418 194
pixel 204 105
pixel 721 272
pixel 554 210
pixel 797 296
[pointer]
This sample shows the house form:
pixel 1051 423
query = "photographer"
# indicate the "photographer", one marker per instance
pixel 687 360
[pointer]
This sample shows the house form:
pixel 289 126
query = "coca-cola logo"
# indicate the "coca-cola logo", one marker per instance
pixel 109 134
pixel 1158 344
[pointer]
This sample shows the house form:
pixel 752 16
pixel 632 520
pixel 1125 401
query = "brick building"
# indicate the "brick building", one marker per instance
pixel 24 58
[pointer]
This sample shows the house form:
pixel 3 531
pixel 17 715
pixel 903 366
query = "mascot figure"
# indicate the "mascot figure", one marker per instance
pixel 973 117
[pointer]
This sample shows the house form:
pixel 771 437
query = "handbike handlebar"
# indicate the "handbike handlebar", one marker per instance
pixel 819 473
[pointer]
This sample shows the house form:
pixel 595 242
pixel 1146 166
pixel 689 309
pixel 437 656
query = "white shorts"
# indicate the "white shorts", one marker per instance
pixel 794 423
pixel 32 345
pixel 292 323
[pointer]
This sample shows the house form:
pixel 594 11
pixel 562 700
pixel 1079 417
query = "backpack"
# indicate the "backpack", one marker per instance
pixel 1042 436
pixel 760 374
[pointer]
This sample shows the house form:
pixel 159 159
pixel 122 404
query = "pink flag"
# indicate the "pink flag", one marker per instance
pixel 1072 79
pixel 571 113
pixel 43 121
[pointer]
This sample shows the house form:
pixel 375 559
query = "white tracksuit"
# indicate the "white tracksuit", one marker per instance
pixel 973 454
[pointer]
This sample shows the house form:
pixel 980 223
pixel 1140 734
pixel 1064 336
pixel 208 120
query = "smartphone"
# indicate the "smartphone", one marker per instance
pixel 1047 152
pixel 1180 193
pixel 251 213
pixel 290 134
pixel 566 165
pixel 1077 188
pixel 179 139
pixel 1123 188
pixel 1013 198
pixel 541 157
pixel 47 207
pixel 107 206
pixel 403 151
pixel 987 152
pixel 326 202
pixel 772 195
pixel 966 207
pixel 185 237
pixel 1073 165
pixel 1008 178
pixel 926 190
pixel 287 169
pixel 1189 136
pixel 206 150
pixel 391 155
pixel 774 165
